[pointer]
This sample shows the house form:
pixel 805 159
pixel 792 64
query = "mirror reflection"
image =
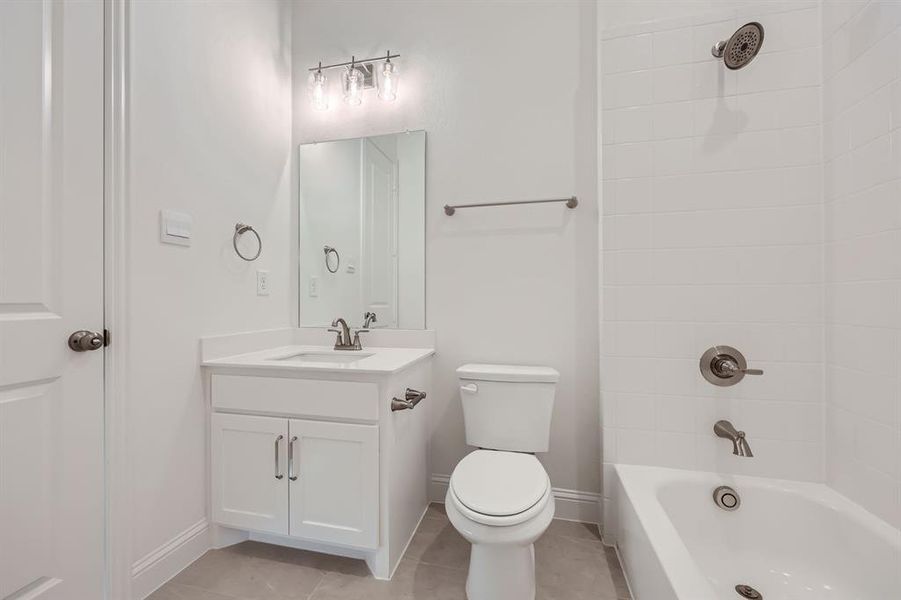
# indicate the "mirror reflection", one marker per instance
pixel 362 231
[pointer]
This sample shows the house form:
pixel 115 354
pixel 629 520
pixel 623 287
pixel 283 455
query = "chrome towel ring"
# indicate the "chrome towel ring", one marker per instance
pixel 241 229
pixel 329 250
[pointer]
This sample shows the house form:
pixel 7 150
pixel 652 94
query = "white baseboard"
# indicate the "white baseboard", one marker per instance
pixel 572 505
pixel 164 563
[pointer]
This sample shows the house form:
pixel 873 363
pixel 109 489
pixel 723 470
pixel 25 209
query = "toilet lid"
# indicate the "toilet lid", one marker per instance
pixel 498 483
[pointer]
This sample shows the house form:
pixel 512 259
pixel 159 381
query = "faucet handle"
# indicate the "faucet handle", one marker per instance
pixel 340 340
pixel 357 345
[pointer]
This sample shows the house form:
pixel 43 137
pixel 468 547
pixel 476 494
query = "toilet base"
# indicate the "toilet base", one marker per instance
pixel 501 572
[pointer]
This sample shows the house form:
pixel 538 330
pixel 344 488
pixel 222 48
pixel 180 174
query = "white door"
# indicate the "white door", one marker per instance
pixel 379 237
pixel 249 463
pixel 51 283
pixel 335 482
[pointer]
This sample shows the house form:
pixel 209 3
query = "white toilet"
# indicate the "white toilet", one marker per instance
pixel 499 497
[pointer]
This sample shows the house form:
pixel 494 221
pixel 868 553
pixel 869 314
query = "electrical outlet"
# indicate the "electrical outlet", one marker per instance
pixel 313 287
pixel 262 283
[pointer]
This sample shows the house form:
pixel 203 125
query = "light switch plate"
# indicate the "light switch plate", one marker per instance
pixel 175 228
pixel 262 283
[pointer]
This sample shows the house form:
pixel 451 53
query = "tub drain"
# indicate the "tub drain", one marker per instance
pixel 746 591
pixel 726 498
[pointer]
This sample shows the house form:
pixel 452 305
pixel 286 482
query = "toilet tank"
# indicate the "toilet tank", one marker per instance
pixel 507 407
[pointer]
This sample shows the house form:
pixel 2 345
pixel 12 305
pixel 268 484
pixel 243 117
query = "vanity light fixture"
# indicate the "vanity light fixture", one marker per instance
pixel 357 76
pixel 319 89
pixel 388 80
pixel 353 80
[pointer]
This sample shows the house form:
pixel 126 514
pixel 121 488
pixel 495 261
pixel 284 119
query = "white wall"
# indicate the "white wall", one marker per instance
pixel 712 234
pixel 862 152
pixel 209 130
pixel 505 121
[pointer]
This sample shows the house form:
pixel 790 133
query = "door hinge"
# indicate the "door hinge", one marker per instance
pixel 107 338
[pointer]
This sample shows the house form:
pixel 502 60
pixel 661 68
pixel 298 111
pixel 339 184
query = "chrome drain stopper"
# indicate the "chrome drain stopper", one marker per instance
pixel 746 591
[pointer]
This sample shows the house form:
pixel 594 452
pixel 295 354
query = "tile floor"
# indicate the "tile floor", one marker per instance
pixel 571 564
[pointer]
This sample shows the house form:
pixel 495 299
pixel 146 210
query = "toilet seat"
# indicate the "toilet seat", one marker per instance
pixel 499 488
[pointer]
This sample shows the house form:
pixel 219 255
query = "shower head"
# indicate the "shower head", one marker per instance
pixel 740 49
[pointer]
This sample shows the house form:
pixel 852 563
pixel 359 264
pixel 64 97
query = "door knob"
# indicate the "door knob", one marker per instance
pixel 83 341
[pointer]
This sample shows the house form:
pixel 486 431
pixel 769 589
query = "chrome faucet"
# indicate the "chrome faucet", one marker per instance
pixel 369 319
pixel 740 447
pixel 343 341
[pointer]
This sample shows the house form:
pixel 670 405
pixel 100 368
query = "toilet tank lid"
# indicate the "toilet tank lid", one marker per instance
pixel 483 372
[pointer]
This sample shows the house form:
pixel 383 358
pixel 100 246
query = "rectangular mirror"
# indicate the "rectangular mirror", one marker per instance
pixel 362 231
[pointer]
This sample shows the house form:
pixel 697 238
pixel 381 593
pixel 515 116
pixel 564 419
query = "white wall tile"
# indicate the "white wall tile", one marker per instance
pixel 635 446
pixel 863 243
pixel 626 89
pixel 792 30
pixel 630 124
pixel 672 47
pixel 718 239
pixel 672 157
pixel 672 120
pixel 626 54
pixel 672 84
pixel 770 220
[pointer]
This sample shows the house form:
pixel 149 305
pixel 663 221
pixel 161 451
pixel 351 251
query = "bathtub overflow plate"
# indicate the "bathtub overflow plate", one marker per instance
pixel 728 499
pixel 746 591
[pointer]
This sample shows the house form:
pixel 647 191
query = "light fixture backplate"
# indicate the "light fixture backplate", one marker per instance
pixel 368 70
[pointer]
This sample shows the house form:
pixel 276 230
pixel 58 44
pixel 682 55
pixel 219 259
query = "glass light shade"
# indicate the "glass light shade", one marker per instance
pixel 352 80
pixel 319 90
pixel 388 80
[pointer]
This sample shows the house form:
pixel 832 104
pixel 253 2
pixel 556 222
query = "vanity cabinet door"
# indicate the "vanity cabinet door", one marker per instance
pixel 250 472
pixel 334 485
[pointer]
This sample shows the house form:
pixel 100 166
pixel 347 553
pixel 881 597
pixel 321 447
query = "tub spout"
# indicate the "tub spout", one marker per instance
pixel 740 446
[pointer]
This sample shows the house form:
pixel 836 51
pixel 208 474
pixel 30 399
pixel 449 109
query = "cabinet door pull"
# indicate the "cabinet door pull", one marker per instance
pixel 291 474
pixel 278 469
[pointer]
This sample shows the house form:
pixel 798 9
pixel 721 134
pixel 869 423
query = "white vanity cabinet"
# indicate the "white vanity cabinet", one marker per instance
pixel 334 496
pixel 249 487
pixel 307 479
pixel 316 459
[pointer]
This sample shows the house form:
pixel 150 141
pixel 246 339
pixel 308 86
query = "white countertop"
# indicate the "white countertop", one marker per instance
pixel 372 360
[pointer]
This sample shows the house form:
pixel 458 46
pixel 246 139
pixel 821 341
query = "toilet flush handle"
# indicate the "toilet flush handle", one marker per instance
pixel 469 388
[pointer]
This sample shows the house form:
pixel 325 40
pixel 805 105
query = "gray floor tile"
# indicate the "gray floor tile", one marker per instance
pixel 571 564
pixel 436 511
pixel 574 529
pixel 572 569
pixel 292 556
pixel 437 543
pixel 249 577
pixel 412 581
pixel 174 591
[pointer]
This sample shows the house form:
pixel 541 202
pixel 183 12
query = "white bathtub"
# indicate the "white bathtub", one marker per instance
pixel 789 540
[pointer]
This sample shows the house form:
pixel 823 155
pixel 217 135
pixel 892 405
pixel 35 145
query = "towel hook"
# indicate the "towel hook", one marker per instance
pixel 241 229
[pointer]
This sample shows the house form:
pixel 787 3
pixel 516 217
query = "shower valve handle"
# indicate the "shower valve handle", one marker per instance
pixel 724 366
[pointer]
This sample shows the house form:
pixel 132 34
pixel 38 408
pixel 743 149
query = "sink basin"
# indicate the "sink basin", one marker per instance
pixel 335 357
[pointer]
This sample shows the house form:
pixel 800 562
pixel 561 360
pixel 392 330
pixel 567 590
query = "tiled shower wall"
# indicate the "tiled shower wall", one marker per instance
pixel 713 234
pixel 862 165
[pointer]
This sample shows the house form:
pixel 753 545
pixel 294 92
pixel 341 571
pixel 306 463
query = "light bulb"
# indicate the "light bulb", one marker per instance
pixel 353 86
pixel 319 90
pixel 388 80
